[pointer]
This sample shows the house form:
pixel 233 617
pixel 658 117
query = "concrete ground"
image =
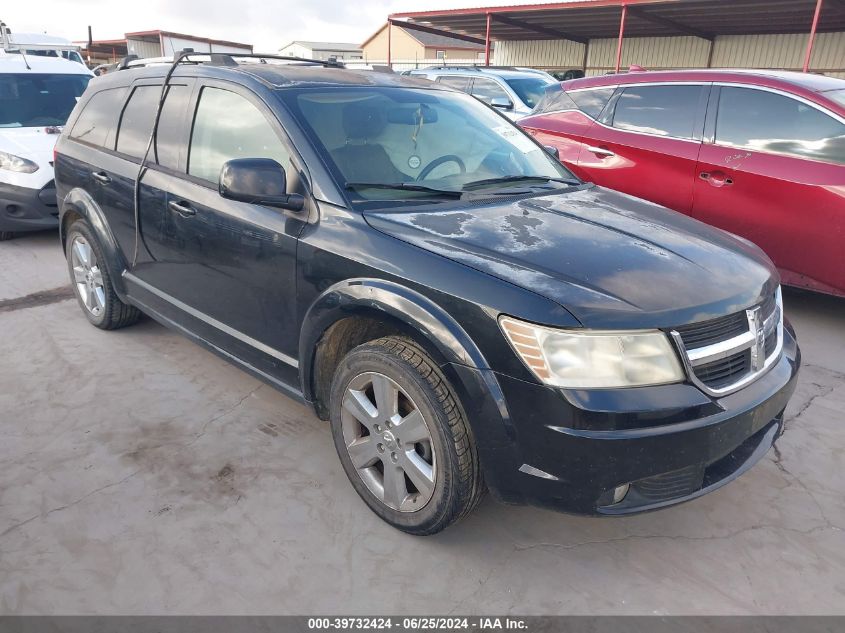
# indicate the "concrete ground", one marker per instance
pixel 141 474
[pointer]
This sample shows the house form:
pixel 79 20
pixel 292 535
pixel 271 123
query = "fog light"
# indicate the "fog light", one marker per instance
pixel 619 492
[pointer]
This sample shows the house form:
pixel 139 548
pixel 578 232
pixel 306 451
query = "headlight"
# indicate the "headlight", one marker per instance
pixel 16 163
pixel 594 359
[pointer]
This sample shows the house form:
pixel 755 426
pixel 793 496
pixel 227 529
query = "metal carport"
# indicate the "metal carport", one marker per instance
pixel 583 21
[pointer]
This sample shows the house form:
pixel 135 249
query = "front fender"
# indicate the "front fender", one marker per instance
pixel 80 202
pixel 421 315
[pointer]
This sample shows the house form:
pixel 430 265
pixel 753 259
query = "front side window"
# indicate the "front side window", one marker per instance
pixel 486 90
pixel 392 144
pixel 592 102
pixel 38 99
pixel 660 110
pixel 99 117
pixel 137 120
pixel 228 126
pixel 769 122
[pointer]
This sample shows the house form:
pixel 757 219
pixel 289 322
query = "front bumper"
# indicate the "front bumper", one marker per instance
pixel 673 443
pixel 26 209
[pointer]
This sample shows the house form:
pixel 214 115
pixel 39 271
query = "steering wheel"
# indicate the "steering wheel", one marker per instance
pixel 449 158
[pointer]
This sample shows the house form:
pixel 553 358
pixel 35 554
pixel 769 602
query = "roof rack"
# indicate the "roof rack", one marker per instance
pixel 225 59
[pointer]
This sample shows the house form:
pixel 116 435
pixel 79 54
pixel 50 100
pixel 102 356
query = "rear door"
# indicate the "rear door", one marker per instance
pixel 772 170
pixel 646 142
pixel 229 266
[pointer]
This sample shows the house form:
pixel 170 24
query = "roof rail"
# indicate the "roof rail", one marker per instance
pixel 227 59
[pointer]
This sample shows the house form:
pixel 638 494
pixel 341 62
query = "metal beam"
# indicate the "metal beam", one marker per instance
pixel 812 38
pixel 672 24
pixel 487 43
pixel 621 36
pixel 413 26
pixel 542 30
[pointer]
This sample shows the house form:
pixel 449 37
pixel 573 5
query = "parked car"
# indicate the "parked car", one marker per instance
pixel 404 259
pixel 514 91
pixel 37 95
pixel 757 153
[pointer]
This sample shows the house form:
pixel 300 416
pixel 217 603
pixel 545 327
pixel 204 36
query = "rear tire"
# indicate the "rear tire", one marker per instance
pixel 402 437
pixel 6 235
pixel 92 283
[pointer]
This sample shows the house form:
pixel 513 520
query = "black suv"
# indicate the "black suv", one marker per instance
pixel 466 313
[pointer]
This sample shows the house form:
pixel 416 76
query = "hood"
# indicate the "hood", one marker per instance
pixel 612 260
pixel 34 143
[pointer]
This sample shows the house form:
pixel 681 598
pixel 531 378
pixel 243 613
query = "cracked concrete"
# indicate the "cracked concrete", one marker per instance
pixel 140 474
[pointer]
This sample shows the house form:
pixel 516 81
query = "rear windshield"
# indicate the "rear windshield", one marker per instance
pixel 34 99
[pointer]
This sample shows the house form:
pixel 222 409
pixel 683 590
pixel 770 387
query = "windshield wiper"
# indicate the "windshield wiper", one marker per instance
pixel 404 186
pixel 515 178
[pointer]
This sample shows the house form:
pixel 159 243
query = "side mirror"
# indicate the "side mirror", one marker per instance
pixel 258 181
pixel 501 102
pixel 554 151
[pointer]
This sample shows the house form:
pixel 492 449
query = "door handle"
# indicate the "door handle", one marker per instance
pixel 182 208
pixel 601 152
pixel 101 177
pixel 716 178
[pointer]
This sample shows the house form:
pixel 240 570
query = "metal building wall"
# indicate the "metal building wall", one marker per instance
pixel 540 53
pixel 142 48
pixel 655 53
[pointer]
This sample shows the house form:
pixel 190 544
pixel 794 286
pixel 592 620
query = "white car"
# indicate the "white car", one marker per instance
pixel 514 91
pixel 37 95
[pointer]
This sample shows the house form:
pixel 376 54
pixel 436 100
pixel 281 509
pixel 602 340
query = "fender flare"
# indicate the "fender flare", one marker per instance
pixel 80 201
pixel 416 311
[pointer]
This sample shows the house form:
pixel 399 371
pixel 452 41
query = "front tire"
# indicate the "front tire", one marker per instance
pixel 92 283
pixel 6 235
pixel 402 437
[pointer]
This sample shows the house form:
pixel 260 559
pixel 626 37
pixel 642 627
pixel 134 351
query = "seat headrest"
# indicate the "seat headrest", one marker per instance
pixel 362 121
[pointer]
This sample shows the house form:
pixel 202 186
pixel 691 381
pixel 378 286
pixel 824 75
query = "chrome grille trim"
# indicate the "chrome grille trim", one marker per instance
pixel 760 328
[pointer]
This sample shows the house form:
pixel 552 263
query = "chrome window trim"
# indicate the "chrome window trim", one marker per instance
pixel 753 342
pixel 244 338
pixel 782 93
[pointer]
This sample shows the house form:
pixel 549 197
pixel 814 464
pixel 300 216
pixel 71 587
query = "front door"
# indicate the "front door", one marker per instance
pixel 773 171
pixel 228 266
pixel 646 143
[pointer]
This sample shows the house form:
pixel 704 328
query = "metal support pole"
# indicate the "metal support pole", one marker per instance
pixel 812 39
pixel 389 29
pixel 487 42
pixel 621 35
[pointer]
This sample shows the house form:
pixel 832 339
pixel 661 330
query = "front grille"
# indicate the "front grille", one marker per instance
pixel 724 372
pixel 713 331
pixel 726 351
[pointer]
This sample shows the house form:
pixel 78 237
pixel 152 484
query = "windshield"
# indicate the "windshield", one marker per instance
pixel 530 89
pixel 34 100
pixel 403 143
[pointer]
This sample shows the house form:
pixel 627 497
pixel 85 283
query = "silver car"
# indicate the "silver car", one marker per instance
pixel 515 91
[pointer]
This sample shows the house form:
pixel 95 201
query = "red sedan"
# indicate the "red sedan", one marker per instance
pixel 757 153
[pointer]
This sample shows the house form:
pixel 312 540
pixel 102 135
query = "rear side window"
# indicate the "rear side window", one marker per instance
pixel 661 110
pixel 136 123
pixel 764 121
pixel 228 126
pixel 486 90
pixel 592 102
pixel 99 117
pixel 460 83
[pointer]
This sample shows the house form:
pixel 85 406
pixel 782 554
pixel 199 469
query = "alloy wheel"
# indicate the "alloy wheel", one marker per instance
pixel 87 275
pixel 389 442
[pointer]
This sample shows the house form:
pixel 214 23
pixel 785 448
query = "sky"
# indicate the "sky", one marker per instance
pixel 267 25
